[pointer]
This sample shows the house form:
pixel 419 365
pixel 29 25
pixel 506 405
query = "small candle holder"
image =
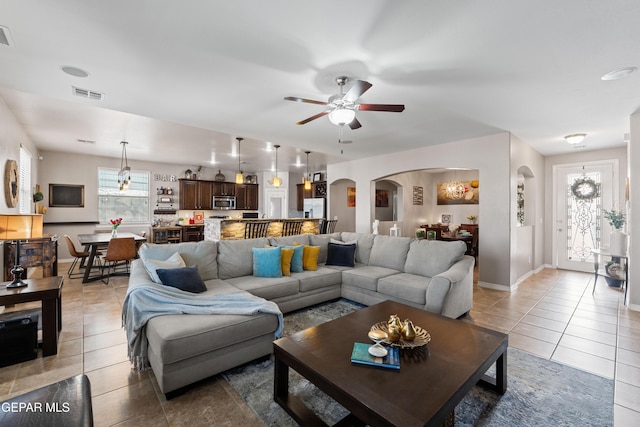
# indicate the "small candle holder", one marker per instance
pixel 17 272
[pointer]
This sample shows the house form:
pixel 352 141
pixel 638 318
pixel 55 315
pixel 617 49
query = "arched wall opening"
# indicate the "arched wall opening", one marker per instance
pixel 342 204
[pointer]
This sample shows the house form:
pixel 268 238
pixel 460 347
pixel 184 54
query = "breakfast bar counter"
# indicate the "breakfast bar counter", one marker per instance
pixel 233 229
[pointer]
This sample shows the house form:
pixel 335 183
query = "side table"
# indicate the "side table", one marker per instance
pixel 601 271
pixel 48 290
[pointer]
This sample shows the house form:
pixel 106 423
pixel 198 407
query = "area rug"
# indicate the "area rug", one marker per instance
pixel 540 392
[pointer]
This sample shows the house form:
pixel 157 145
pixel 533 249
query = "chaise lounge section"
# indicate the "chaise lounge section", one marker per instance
pixel 182 349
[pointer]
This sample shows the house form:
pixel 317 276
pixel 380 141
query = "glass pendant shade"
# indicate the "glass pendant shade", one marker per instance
pixel 239 178
pixel 342 116
pixel 307 184
pixel 277 182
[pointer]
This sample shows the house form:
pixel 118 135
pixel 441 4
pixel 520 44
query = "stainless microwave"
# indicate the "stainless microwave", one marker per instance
pixel 224 202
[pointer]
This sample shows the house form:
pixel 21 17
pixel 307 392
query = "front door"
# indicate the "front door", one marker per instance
pixel 582 193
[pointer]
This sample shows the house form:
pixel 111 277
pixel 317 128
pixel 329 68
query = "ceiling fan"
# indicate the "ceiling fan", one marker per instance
pixel 342 107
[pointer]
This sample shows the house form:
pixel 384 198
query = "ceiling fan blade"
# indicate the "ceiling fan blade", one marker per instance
pixel 394 108
pixel 357 90
pixel 317 116
pixel 355 124
pixel 309 101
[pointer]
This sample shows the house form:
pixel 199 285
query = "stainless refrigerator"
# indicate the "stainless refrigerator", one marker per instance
pixel 314 208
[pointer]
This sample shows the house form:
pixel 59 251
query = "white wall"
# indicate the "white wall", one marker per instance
pixel 489 155
pixel 633 226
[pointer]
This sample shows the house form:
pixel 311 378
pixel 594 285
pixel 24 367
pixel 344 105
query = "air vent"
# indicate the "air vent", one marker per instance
pixel 86 141
pixel 5 36
pixel 86 93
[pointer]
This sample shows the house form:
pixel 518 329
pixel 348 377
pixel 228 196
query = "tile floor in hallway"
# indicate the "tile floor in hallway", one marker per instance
pixel 552 314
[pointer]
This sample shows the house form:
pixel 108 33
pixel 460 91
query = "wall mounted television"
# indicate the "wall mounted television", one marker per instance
pixel 66 196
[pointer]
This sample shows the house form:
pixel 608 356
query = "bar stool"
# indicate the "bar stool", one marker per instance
pixel 255 229
pixel 291 227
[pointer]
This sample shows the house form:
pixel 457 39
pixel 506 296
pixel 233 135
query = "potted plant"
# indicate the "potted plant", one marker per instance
pixel 37 197
pixel 618 240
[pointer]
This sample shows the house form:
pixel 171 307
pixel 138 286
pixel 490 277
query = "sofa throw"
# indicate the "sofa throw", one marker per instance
pixel 145 301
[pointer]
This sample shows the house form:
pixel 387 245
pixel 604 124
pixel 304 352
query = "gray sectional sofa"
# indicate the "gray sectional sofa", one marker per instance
pixel 182 349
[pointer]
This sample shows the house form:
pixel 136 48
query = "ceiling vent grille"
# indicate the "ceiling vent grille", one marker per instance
pixel 5 36
pixel 89 94
pixel 86 141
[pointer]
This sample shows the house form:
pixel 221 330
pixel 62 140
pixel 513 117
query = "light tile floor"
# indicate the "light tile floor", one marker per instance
pixel 552 314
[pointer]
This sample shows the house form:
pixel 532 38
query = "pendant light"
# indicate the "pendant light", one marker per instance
pixel 239 176
pixel 276 182
pixel 124 176
pixel 306 180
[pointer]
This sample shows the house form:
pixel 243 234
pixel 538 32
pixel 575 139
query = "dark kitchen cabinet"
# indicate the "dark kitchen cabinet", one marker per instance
pixel 224 189
pixel 247 197
pixel 196 194
pixel 192 233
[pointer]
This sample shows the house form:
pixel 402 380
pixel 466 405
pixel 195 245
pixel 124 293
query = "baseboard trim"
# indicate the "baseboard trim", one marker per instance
pixel 495 286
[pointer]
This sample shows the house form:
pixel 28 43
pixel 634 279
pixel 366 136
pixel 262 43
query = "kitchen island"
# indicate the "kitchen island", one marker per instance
pixel 233 229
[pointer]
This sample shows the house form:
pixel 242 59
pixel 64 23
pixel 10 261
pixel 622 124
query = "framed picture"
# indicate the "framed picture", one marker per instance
pixel 66 196
pixel 317 177
pixel 351 197
pixel 458 192
pixel 382 198
pixel 446 218
pixel 417 195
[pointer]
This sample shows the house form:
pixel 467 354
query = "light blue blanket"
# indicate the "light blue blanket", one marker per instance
pixel 146 301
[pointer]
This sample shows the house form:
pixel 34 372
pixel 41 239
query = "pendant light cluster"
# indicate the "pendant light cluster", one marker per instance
pixel 239 175
pixel 276 182
pixel 306 179
pixel 124 176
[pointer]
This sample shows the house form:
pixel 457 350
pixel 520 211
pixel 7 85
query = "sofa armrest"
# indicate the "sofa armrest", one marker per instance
pixel 452 290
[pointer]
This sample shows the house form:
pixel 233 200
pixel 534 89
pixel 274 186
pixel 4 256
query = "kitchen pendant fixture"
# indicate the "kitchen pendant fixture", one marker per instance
pixel 306 180
pixel 276 182
pixel 124 176
pixel 239 175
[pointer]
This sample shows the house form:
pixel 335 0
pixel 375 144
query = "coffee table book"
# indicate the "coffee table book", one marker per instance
pixel 361 356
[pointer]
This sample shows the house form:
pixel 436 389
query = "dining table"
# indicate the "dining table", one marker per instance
pixel 92 242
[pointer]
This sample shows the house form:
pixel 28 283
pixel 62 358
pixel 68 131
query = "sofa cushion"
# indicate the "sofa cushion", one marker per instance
pixel 235 257
pixel 390 252
pixel 364 244
pixel 404 286
pixel 186 279
pixel 321 240
pixel 204 254
pixel 341 254
pixel 317 279
pixel 289 240
pixel 152 265
pixel 366 277
pixel 267 287
pixel 432 257
pixel 267 262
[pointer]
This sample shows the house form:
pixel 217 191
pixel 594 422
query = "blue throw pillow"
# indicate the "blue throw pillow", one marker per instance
pixel 296 260
pixel 342 255
pixel 266 262
pixel 185 278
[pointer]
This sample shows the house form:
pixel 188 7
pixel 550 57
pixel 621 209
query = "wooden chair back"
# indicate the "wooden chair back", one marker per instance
pixel 329 226
pixel 72 248
pixel 121 249
pixel 291 227
pixel 255 229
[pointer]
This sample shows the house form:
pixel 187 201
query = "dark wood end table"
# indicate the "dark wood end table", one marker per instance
pixel 431 381
pixel 48 290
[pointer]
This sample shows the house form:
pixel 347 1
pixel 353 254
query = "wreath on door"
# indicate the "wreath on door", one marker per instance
pixel 585 188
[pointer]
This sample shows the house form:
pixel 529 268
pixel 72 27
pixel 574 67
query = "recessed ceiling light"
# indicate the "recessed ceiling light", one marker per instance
pixel 619 74
pixel 74 71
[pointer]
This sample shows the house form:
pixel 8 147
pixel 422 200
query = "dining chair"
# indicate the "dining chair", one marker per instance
pixel 120 249
pixel 78 256
pixel 291 227
pixel 255 229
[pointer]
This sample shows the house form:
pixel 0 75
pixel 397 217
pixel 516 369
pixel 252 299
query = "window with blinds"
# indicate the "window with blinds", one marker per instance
pixel 24 185
pixel 132 204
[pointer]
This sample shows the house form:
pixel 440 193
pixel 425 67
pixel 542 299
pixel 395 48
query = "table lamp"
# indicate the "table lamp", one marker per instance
pixel 16 227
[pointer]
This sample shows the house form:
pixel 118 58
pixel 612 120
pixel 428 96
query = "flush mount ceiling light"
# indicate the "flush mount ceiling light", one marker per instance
pixel 618 74
pixel 305 179
pixel 124 176
pixel 575 138
pixel 276 182
pixel 239 175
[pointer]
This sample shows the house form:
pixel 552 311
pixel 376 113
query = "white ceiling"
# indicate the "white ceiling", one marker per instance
pixel 183 79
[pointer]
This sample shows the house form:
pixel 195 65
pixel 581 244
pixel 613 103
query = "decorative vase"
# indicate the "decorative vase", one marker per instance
pixel 618 242
pixel 114 232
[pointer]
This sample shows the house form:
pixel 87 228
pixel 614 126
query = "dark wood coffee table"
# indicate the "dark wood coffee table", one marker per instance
pixel 48 291
pixel 431 381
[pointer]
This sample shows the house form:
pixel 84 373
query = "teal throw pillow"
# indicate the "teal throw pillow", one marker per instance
pixel 296 260
pixel 266 262
pixel 185 278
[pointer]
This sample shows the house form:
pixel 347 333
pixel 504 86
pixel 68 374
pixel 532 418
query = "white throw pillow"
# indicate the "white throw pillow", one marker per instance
pixel 151 265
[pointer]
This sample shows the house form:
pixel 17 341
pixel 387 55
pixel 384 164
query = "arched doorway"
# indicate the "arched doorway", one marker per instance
pixel 342 204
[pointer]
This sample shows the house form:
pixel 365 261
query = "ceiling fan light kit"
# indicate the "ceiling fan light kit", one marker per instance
pixel 342 107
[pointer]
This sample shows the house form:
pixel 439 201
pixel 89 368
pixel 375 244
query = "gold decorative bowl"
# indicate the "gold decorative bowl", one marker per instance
pixel 381 329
